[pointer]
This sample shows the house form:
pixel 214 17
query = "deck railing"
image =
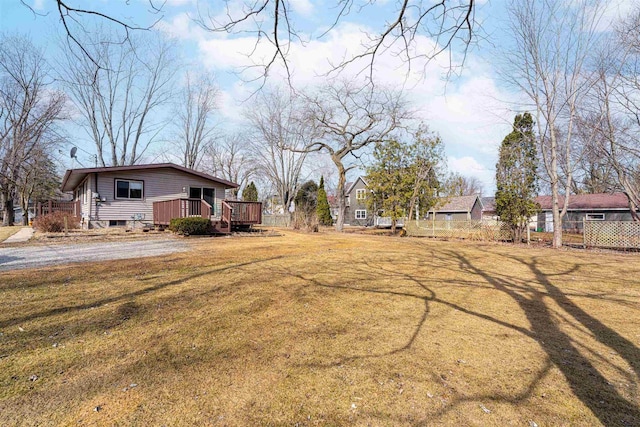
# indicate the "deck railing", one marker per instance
pixel 227 214
pixel 233 212
pixel 165 210
pixel 51 206
pixel 245 213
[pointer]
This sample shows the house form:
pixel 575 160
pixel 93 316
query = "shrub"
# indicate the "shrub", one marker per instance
pixel 192 225
pixel 323 210
pixel 54 222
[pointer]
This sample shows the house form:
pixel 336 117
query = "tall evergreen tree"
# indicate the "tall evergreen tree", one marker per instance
pixel 250 193
pixel 516 176
pixel 323 210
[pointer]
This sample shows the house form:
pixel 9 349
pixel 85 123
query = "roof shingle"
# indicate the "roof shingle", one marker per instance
pixel 458 204
pixel 588 201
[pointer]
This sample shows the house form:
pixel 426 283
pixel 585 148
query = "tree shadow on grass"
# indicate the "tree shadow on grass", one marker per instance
pixel 127 296
pixel 584 379
pixel 586 382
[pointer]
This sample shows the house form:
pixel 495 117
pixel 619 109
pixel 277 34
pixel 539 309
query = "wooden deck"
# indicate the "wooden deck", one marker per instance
pixel 235 214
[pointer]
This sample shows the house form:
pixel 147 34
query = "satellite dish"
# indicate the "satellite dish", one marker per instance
pixel 74 150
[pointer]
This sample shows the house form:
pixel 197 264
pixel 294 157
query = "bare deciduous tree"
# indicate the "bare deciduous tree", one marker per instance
pixel 612 110
pixel 347 118
pixel 29 112
pixel 553 40
pixel 194 118
pixel 230 158
pixel 278 136
pixel 460 185
pixel 38 181
pixel 119 92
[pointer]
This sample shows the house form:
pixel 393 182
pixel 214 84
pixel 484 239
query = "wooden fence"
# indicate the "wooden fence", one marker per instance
pixel 464 229
pixel 276 220
pixel 612 234
pixel 51 206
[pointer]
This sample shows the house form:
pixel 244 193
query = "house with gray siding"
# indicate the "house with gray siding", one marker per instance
pixel 584 207
pixel 489 208
pixel 458 208
pixel 124 195
pixel 355 197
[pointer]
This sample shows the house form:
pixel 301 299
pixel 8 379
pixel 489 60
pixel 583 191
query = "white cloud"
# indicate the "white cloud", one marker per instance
pixel 182 27
pixel 470 115
pixel 470 167
pixel 38 4
pixel 303 7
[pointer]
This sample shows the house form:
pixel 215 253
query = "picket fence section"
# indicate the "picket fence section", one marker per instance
pixel 612 234
pixel 465 229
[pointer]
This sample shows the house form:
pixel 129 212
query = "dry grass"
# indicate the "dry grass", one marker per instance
pixel 325 330
pixel 8 231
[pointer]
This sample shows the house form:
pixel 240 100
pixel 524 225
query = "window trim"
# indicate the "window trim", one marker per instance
pixel 589 217
pixel 362 191
pixel 360 210
pixel 115 189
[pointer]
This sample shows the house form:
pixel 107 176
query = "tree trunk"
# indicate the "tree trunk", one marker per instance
pixel 342 208
pixel 24 204
pixel 557 219
pixel 7 209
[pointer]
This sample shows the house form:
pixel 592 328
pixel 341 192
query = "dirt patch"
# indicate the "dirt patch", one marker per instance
pixel 97 235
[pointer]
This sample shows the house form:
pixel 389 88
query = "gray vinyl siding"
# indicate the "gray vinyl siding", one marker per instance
pixel 159 184
pixel 475 214
pixel 84 193
pixel 476 211
pixel 572 221
pixel 454 216
pixel 356 204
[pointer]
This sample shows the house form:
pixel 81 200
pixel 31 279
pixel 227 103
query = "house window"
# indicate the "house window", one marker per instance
pixel 195 192
pixel 127 189
pixel 361 214
pixel 361 194
pixel 594 217
pixel 204 193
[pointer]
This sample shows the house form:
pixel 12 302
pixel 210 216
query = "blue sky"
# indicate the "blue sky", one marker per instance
pixel 471 112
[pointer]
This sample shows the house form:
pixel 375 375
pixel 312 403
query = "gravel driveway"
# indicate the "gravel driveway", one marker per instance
pixel 38 256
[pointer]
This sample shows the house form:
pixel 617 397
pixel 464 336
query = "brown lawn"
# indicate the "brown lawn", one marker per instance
pixel 325 329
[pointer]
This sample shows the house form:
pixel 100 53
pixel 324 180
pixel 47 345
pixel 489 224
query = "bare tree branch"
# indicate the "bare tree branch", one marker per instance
pixel 119 98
